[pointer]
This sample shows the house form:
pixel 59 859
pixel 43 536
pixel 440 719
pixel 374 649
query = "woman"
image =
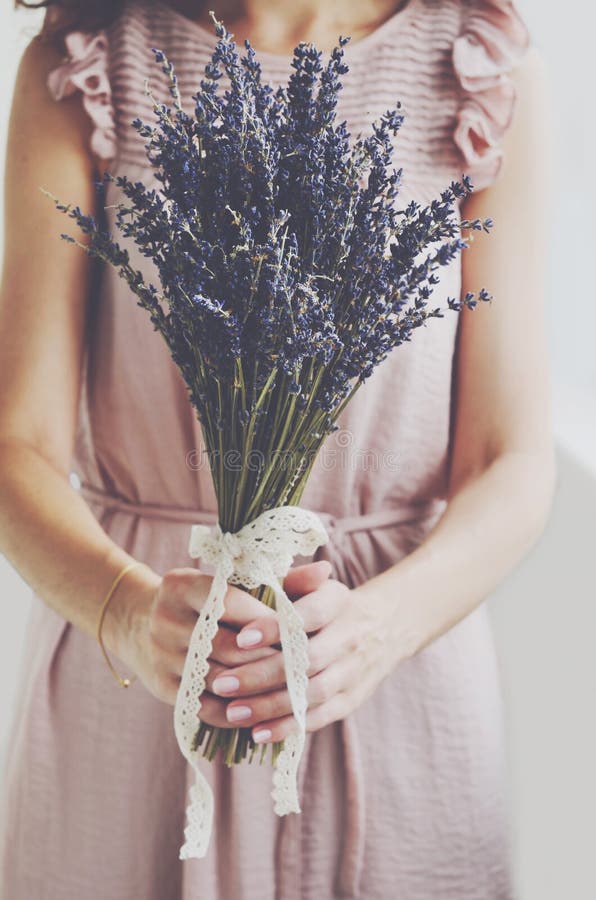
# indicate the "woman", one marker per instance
pixel 402 776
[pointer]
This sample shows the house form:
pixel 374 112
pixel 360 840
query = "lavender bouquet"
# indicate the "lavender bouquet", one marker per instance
pixel 286 272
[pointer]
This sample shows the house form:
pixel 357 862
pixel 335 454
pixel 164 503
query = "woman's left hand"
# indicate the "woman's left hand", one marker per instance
pixel 350 653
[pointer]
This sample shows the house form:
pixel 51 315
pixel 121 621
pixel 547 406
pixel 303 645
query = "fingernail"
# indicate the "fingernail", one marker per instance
pixel 263 735
pixel 226 685
pixel 235 713
pixel 249 638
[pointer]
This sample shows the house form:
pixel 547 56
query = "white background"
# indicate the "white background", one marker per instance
pixel 544 614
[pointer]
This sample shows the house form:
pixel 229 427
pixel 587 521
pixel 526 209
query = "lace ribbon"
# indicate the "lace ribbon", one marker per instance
pixel 259 554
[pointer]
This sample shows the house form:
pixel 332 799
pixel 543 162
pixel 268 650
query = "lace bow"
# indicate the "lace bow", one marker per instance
pixel 259 554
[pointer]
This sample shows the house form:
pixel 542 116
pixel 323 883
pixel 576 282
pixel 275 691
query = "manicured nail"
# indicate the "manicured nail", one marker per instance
pixel 226 684
pixel 249 638
pixel 263 735
pixel 235 713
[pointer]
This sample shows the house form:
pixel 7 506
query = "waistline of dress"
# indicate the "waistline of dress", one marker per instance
pixel 400 514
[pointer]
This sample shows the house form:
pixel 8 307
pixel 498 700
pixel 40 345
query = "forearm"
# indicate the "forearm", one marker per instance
pixel 490 523
pixel 53 540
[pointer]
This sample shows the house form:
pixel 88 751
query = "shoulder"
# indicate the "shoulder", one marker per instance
pixel 38 60
pixel 531 80
pixel 109 70
pixel 84 74
pixel 531 75
pixel 520 195
pixel 489 55
pixel 528 143
pixel 34 110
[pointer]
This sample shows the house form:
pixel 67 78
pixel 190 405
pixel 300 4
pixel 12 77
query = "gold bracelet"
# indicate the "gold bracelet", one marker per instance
pixel 123 682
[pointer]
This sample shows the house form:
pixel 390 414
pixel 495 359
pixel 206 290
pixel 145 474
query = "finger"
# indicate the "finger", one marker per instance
pixel 213 707
pixel 184 591
pixel 253 678
pixel 320 607
pixel 213 711
pixel 302 580
pixel 258 708
pixel 241 608
pixel 262 632
pixel 316 609
pixel 249 711
pixel 225 650
pixel 334 642
pixel 316 718
pixel 189 588
pixel 335 709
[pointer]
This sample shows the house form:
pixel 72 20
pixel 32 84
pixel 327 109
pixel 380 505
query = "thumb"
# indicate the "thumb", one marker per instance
pixel 304 579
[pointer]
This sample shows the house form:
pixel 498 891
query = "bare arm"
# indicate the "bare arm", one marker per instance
pixel 502 473
pixel 46 529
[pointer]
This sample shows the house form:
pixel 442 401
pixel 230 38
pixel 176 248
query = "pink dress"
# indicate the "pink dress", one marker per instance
pixel 403 799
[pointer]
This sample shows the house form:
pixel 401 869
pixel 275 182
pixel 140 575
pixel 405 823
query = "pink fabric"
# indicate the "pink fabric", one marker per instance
pixel 406 797
pixel 86 70
pixel 493 39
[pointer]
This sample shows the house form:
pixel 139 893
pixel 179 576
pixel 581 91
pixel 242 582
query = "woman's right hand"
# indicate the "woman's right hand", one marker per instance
pixel 152 638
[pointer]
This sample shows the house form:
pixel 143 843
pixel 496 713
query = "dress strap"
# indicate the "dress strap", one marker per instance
pixel 85 70
pixel 492 42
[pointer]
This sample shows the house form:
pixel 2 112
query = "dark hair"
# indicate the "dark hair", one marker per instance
pixel 63 16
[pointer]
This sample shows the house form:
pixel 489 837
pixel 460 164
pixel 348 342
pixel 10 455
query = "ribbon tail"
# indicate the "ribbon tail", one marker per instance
pixel 294 644
pixel 200 809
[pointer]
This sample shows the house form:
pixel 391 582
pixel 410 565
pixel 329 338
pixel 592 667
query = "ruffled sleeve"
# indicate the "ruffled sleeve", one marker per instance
pixel 493 39
pixel 86 69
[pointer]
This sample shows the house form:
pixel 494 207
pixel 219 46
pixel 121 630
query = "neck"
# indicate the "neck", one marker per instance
pixel 286 22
